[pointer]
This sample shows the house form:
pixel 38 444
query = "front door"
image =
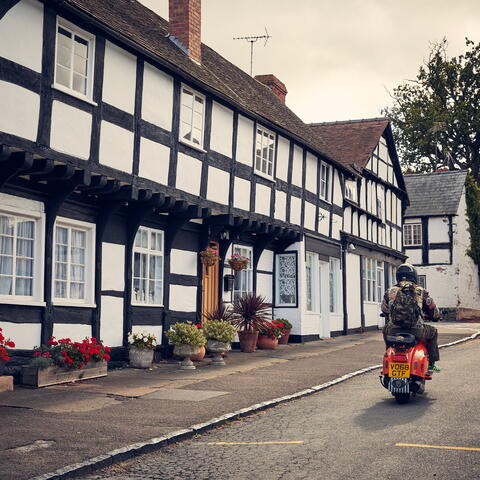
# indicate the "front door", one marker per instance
pixel 210 286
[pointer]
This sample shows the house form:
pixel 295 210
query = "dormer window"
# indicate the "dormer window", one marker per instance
pixel 74 60
pixel 264 152
pixel 192 117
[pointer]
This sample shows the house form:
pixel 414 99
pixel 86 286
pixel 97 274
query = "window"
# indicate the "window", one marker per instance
pixel 393 275
pixel 192 117
pixel 73 276
pixel 351 190
pixel 243 278
pixel 74 59
pixel 264 152
pixel 422 281
pixel 148 267
pixel 17 259
pixel 380 281
pixel 286 278
pixel 334 281
pixel 312 278
pixel 373 280
pixel 325 181
pixel 412 234
pixel 380 212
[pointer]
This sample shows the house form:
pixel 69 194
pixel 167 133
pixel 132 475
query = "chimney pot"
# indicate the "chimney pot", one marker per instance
pixel 185 26
pixel 275 85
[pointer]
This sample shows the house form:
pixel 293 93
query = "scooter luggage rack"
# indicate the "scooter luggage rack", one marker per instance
pixel 401 339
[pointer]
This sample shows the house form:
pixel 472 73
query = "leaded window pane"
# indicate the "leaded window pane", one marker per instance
pixel 287 279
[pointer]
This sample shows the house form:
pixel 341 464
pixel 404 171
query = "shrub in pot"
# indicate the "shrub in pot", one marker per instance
pixel 198 357
pixel 286 327
pixel 141 346
pixel 250 313
pixel 4 353
pixel 186 338
pixel 219 334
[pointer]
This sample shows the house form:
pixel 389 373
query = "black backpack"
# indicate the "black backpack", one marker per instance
pixel 404 310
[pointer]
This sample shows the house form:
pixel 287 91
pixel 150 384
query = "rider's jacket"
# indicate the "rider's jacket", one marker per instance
pixel 425 301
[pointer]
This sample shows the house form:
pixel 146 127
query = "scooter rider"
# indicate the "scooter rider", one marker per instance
pixel 407 276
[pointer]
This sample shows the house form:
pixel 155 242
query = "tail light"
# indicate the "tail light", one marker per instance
pixel 399 358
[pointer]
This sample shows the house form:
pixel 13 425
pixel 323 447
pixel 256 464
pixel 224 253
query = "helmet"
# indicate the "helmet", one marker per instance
pixel 406 272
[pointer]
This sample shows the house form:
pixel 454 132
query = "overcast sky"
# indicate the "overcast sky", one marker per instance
pixel 336 58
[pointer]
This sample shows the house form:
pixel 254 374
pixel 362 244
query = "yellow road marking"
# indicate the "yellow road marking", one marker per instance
pixel 295 442
pixel 473 449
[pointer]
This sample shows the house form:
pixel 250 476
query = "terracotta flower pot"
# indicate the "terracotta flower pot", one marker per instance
pixel 200 355
pixel 140 357
pixel 267 343
pixel 248 341
pixel 283 340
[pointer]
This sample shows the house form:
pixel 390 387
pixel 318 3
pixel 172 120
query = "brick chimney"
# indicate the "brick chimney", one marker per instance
pixel 274 84
pixel 185 26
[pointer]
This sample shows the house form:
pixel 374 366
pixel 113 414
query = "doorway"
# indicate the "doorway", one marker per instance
pixel 210 285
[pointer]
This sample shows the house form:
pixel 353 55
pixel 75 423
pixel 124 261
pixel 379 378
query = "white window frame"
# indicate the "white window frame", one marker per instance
pixel 325 181
pixel 335 285
pixel 243 275
pixel 278 301
pixel 148 251
pixel 24 212
pixel 89 229
pixel 380 280
pixel 409 234
pixel 369 279
pixel 312 283
pixel 351 190
pixel 190 122
pixel 260 132
pixel 90 39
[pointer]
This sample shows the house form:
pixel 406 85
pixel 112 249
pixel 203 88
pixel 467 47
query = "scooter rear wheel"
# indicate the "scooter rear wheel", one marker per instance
pixel 402 398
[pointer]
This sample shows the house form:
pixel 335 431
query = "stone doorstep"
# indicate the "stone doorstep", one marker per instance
pixel 6 383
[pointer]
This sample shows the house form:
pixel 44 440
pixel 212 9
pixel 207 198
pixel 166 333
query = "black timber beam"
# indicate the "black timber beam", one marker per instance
pixel 13 164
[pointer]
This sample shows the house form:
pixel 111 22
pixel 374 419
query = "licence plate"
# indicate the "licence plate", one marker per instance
pixel 399 370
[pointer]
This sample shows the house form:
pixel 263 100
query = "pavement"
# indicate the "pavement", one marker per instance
pixel 57 431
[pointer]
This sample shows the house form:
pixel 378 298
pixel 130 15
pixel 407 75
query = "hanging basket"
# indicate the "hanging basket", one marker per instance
pixel 237 265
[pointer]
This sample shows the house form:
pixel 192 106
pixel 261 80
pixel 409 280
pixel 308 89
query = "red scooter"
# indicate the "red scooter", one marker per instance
pixel 405 366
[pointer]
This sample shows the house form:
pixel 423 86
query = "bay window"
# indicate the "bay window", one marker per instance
pixel 334 280
pixel 373 279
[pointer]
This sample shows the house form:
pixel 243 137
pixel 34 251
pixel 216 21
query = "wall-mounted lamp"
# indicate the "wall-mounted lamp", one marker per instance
pixel 351 247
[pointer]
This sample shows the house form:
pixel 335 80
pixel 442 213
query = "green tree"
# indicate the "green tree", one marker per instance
pixel 436 117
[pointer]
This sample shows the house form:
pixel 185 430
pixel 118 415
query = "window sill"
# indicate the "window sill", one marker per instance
pixel 146 305
pixel 263 175
pixel 58 303
pixel 73 93
pixel 192 145
pixel 21 301
pixel 369 302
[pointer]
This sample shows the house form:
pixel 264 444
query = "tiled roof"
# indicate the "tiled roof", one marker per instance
pixel 145 28
pixel 436 193
pixel 352 142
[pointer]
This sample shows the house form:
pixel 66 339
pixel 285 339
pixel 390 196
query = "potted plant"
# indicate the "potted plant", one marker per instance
pixel 209 256
pixel 63 360
pixel 219 334
pixel 141 346
pixel 268 335
pixel 186 338
pixel 250 313
pixel 4 353
pixel 286 327
pixel 238 262
pixel 198 357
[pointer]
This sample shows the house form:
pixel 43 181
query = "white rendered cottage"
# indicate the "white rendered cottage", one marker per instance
pixel 127 147
pixel 436 240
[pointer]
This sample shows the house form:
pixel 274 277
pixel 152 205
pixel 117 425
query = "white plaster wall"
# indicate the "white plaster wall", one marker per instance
pixel 265 262
pixel 152 329
pixel 297 167
pixel 75 332
pixel 336 322
pixel 353 290
pixel 19 109
pixel 183 262
pixel 412 220
pixel 283 151
pixel 154 162
pixel 438 230
pixel 414 256
pixel 245 141
pixel 355 223
pixel 439 256
pixel 263 195
pixel 157 97
pixel 222 129
pixel 25 335
pixel 442 282
pixel 113 267
pixel 189 174
pixel 388 206
pixel 280 205
pixel 116 147
pixel 347 220
pixel 71 130
pixel 264 286
pixel 399 240
pixel 336 226
pixel 119 78
pixel 241 193
pixel 372 313
pixel 218 187
pixel 324 224
pixel 295 210
pixel 337 188
pixel 311 176
pixel 362 194
pixel 183 298
pixel 21 34
pixel 310 212
pixel 111 321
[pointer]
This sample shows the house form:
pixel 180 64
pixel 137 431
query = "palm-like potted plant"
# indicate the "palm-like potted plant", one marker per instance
pixel 140 349
pixel 250 313
pixel 219 332
pixel 186 338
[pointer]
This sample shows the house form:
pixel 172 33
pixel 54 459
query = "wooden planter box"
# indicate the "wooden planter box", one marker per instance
pixel 54 375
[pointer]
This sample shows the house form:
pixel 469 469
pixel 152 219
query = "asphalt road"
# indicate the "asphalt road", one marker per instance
pixel 350 431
